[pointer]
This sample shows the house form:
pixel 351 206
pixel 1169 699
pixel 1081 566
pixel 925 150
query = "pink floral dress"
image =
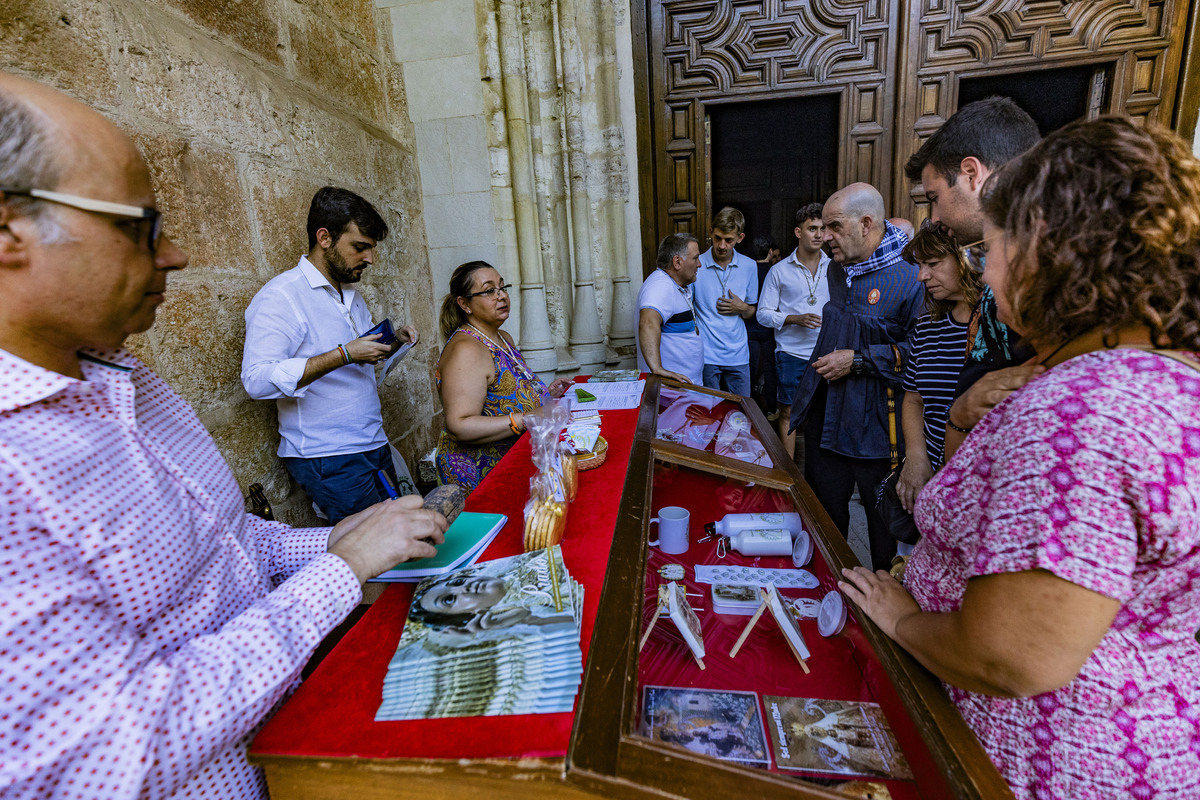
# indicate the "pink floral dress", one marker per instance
pixel 1092 472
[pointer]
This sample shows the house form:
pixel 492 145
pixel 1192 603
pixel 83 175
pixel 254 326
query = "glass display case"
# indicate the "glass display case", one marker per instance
pixel 839 711
pixel 650 721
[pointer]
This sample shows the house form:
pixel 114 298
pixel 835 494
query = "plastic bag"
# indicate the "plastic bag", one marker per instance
pixel 545 513
pixel 551 455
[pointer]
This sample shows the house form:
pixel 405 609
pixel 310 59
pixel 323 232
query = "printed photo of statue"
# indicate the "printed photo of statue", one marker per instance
pixel 500 637
pixel 463 604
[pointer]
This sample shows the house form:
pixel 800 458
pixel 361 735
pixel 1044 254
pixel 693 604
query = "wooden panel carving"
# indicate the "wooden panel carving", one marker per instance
pixel 712 46
pixel 984 31
pixel 948 38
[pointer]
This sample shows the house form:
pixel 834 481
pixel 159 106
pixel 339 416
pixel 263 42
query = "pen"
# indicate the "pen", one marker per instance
pixel 394 495
pixel 387 485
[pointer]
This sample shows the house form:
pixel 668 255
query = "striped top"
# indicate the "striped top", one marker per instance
pixel 938 351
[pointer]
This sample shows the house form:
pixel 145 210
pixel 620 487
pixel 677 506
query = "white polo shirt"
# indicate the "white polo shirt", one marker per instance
pixel 680 349
pixel 724 335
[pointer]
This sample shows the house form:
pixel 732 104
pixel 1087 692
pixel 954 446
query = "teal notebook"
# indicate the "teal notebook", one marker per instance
pixel 466 538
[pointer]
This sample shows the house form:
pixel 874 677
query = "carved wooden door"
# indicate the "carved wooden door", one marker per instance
pixel 706 52
pixel 895 66
pixel 1134 46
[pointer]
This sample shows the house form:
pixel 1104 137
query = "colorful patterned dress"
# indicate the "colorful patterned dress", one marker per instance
pixel 1091 472
pixel 515 388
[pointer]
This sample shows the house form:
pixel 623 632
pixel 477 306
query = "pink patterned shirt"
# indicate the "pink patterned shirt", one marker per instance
pixel 1092 472
pixel 141 643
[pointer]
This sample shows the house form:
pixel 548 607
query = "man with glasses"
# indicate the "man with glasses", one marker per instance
pixel 952 167
pixel 309 348
pixel 141 642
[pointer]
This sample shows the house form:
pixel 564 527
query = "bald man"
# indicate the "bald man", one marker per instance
pixel 842 402
pixel 141 642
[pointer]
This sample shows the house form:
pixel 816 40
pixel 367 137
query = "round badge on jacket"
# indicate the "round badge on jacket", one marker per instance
pixel 873 296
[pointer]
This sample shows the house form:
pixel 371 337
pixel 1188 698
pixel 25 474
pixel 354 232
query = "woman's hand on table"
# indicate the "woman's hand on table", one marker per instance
pixel 559 387
pixel 880 596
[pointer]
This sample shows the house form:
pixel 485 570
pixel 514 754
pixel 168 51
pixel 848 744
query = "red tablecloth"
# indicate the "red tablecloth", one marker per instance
pixel 333 713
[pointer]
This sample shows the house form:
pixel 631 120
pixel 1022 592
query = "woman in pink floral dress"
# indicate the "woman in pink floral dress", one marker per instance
pixel 1056 589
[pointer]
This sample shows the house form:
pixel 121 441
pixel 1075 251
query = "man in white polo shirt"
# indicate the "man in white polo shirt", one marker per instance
pixel 725 293
pixel 668 341
pixel 795 291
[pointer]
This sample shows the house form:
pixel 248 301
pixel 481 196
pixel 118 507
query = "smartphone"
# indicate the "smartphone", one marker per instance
pixel 385 328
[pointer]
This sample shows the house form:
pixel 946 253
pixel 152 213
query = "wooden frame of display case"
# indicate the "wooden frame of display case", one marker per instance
pixel 606 754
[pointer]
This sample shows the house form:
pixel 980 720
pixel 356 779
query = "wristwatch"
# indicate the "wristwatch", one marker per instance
pixel 857 367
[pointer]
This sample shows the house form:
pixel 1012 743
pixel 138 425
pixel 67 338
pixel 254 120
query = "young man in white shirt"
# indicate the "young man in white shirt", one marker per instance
pixel 667 338
pixel 726 290
pixel 307 349
pixel 796 290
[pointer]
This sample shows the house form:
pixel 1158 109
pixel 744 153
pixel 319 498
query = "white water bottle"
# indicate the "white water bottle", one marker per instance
pixel 733 524
pixel 765 542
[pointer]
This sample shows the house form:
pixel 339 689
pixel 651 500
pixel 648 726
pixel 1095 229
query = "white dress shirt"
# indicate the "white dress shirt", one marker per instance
pixel 787 289
pixel 296 316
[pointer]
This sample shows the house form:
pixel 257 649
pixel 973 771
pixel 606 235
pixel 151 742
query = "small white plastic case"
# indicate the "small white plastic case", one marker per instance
pixel 833 614
pixel 735 599
pixel 802 549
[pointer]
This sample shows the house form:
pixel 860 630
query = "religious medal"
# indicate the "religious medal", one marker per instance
pixel 812 299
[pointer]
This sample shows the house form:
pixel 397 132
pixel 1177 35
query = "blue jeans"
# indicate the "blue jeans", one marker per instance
pixel 735 380
pixel 791 372
pixel 343 485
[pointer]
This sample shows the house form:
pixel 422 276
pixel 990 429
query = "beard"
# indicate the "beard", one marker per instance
pixel 339 270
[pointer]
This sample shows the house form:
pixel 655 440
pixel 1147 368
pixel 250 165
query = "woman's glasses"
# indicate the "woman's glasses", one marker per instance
pixel 976 252
pixel 490 293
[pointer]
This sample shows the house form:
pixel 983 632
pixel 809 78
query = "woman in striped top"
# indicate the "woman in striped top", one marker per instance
pixel 939 345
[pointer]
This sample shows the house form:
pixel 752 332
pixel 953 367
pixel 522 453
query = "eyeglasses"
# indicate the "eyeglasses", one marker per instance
pixel 976 253
pixel 136 215
pixel 489 293
pixel 928 224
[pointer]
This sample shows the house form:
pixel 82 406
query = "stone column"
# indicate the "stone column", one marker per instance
pixel 586 340
pixel 615 38
pixel 536 341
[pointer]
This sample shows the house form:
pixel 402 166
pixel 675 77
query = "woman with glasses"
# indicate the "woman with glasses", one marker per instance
pixel 939 346
pixel 485 385
pixel 1056 589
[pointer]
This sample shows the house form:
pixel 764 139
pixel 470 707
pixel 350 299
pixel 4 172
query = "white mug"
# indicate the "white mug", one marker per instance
pixel 672 529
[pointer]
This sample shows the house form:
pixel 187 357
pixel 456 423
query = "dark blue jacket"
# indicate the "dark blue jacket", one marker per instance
pixel 856 413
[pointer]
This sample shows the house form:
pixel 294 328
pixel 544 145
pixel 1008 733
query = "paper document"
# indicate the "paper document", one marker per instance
pixel 609 396
pixel 391 363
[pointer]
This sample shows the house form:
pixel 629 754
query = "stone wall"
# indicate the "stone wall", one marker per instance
pixel 243 109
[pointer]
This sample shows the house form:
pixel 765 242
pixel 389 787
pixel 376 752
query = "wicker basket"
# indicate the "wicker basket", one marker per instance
pixel 595 458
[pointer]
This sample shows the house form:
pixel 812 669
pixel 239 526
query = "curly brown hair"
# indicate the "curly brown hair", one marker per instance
pixel 1106 217
pixel 932 242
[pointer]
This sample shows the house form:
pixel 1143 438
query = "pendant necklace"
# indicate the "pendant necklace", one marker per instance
pixel 811 280
pixel 507 350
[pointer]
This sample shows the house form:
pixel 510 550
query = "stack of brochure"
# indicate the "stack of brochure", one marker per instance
pixel 501 637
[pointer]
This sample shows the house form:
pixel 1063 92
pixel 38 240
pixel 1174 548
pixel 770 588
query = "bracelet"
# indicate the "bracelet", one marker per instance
pixel 346 354
pixel 512 424
pixel 952 426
